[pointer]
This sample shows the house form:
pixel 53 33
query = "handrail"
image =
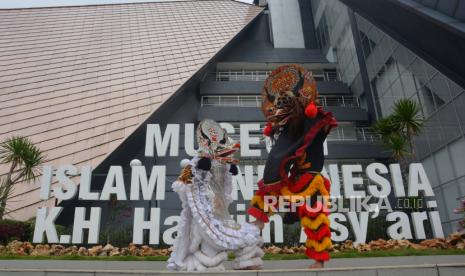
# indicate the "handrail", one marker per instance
pixel 338 134
pixel 256 101
pixel 261 75
pixel 365 134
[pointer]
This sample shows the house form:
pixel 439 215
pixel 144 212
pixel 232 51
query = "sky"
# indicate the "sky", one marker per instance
pixel 9 4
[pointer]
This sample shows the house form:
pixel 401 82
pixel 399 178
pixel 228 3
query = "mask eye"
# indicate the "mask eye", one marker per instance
pixel 271 98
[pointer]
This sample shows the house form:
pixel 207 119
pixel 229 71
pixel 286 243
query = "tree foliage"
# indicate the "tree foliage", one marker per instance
pixel 24 160
pixel 399 129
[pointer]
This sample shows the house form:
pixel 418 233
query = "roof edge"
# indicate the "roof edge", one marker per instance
pixel 180 88
pixel 114 4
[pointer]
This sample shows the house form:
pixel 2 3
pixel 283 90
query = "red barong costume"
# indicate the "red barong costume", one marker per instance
pixel 298 129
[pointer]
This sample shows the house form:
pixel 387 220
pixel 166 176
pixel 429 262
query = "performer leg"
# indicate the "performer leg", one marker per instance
pixel 316 225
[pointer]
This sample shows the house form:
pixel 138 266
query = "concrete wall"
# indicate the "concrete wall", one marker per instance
pixel 256 47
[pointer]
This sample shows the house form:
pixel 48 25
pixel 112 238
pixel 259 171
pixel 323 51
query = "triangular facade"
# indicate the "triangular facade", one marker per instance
pixel 79 80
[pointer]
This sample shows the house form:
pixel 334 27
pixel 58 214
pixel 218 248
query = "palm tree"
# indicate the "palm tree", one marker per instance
pixel 384 127
pixel 397 144
pixel 399 129
pixel 24 158
pixel 407 119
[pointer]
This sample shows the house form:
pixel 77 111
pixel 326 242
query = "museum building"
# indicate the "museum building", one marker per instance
pixel 86 82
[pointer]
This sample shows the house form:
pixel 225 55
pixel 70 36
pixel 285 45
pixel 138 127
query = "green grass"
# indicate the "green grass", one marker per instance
pixel 398 253
pixel 348 254
pixel 86 258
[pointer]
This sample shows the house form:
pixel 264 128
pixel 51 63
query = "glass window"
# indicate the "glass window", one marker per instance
pixel 397 91
pixel 418 70
pixel 382 82
pixel 387 101
pixel 430 70
pixel 392 72
pixel 427 101
pixel 449 124
pixel 459 104
pixel 403 56
pixel 430 168
pixel 457 151
pixel 432 130
pixel 367 44
pixel 454 88
pixel 442 207
pixel 451 194
pixel 375 35
pixel 408 83
pixel 461 186
pixel 440 88
pixel 421 146
pixel 444 165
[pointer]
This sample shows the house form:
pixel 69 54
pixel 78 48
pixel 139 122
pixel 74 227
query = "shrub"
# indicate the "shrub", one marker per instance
pixel 11 229
pixel 22 230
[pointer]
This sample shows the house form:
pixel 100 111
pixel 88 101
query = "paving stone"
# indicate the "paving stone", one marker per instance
pixel 452 271
pixel 22 273
pixel 287 273
pixel 409 271
pixel 349 272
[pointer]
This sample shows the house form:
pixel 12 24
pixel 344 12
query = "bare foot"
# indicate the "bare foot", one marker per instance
pixel 317 265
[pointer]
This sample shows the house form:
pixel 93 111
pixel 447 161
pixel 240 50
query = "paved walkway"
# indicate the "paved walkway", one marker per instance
pixel 376 266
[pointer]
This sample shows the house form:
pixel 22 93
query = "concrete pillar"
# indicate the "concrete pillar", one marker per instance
pixel 286 24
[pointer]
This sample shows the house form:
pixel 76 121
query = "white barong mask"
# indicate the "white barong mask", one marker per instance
pixel 215 143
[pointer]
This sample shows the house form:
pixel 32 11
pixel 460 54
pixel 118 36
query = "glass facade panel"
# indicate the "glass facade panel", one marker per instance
pixel 459 103
pixel 430 169
pixel 454 88
pixel 418 70
pixel 433 132
pixel 426 100
pixel 441 88
pixel 421 146
pixel 449 124
pixel 442 207
pixel 451 193
pixel 408 82
pixel 444 165
pixel 457 152
pixel 461 185
pixel 395 72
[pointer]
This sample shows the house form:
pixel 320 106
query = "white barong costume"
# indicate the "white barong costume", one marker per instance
pixel 206 232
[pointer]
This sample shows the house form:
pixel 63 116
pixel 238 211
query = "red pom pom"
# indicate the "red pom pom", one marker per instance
pixel 268 130
pixel 311 111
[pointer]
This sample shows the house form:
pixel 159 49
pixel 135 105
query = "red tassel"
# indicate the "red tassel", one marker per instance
pixel 317 256
pixel 258 214
pixel 311 111
pixel 268 130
